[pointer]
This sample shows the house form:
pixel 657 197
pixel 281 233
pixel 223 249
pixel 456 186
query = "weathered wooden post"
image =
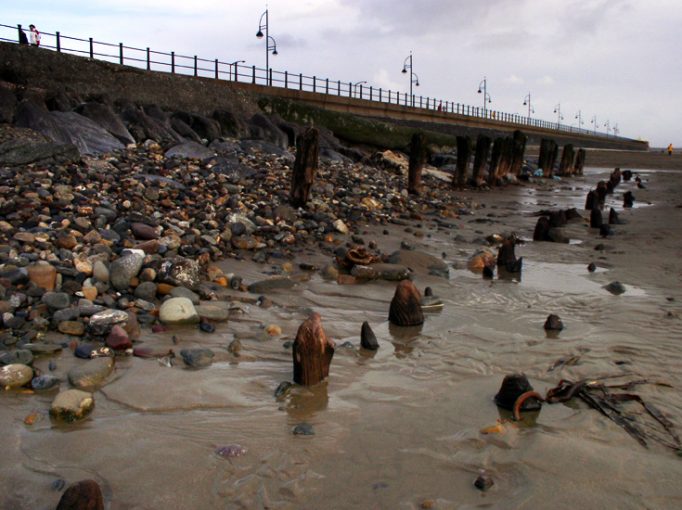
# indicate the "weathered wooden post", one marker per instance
pixel 553 155
pixel 566 165
pixel 417 160
pixel 305 166
pixel 480 159
pixel 518 150
pixel 495 157
pixel 463 157
pixel 505 159
pixel 543 158
pixel 312 352
pixel 579 162
pixel 406 308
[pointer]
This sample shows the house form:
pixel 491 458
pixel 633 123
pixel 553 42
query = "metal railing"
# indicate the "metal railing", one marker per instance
pixel 175 63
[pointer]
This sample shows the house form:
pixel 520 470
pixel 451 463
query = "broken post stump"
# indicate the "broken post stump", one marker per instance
pixel 567 157
pixel 596 218
pixel 463 157
pixel 602 191
pixel 83 495
pixel 549 151
pixel 506 258
pixel 312 352
pixel 480 159
pixel 518 148
pixel 504 168
pixel 591 200
pixel 628 199
pixel 368 339
pixel 417 160
pixel 305 166
pixel 513 386
pixel 406 308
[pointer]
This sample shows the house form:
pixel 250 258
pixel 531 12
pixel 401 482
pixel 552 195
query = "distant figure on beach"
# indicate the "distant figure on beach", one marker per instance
pixel 35 35
pixel 22 37
pixel 670 150
pixel 440 106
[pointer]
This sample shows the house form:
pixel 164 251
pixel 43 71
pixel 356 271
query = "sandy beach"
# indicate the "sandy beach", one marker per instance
pixel 413 424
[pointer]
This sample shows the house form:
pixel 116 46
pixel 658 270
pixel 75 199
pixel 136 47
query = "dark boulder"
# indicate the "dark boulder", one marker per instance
pixel 104 116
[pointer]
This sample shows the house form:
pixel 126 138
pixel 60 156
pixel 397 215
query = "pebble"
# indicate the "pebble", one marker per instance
pixel 72 405
pixel 283 389
pixel 304 429
pixel 15 375
pixel 44 382
pixel 616 288
pixel 178 310
pixel 230 451
pixel 483 482
pixel 91 374
pixel 197 357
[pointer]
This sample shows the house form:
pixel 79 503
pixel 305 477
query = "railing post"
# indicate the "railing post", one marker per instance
pixel 253 74
pixel 216 67
pixel 120 53
pixel 92 50
pixel 350 89
pixel 314 83
pixel 361 91
pixel 270 77
pixel 370 93
pixel 172 62
pixel 236 71
pixel 326 86
pixel 300 81
pixel 420 101
pixel 380 93
pixel 195 66
pixel 286 79
pixel 338 87
pixel 19 33
pixel 149 63
pixel 59 42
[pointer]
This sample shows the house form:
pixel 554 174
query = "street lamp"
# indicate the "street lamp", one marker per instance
pixel 579 116
pixel 268 47
pixel 526 101
pixel 355 87
pixel 615 130
pixel 235 68
pixel 594 123
pixel 483 88
pixel 559 117
pixel 414 79
pixel 608 127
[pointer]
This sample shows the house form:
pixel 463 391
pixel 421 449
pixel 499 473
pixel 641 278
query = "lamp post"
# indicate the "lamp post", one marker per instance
pixel 414 79
pixel 615 130
pixel 559 117
pixel 355 87
pixel 483 88
pixel 235 68
pixel 526 101
pixel 579 116
pixel 268 46
pixel 594 123
pixel 608 127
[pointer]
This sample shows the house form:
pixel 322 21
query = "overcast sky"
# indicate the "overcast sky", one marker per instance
pixel 616 60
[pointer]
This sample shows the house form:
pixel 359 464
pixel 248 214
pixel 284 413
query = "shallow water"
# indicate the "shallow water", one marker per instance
pixel 399 428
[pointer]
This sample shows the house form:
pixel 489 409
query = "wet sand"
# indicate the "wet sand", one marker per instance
pixel 400 428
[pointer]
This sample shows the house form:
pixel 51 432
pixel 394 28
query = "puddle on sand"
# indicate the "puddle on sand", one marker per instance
pixel 565 278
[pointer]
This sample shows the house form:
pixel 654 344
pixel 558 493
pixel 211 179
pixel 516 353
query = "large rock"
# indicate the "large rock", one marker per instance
pixel 180 271
pixel 15 375
pixel 143 126
pixel 83 495
pixel 191 150
pixel 124 269
pixel 261 127
pixel 71 406
pixel 103 116
pixel 91 374
pixel 19 152
pixel 178 310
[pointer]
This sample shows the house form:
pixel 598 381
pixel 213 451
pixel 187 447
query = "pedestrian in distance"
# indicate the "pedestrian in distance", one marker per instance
pixel 670 150
pixel 35 35
pixel 22 37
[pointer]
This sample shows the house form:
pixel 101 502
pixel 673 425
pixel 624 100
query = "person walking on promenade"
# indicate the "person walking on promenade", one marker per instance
pixel 35 35
pixel 670 150
pixel 22 37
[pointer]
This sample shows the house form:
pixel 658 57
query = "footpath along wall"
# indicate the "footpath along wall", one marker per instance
pixel 55 74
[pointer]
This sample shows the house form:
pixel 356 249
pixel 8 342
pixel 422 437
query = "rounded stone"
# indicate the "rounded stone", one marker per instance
pixel 118 339
pixel 56 300
pixel 124 269
pixel 100 271
pixel 72 405
pixel 146 290
pixel 91 374
pixel 43 275
pixel 197 358
pixel 178 310
pixel 15 375
pixel 75 328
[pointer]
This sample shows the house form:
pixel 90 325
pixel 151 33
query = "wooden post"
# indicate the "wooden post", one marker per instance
pixel 518 150
pixel 312 352
pixel 543 157
pixel 553 155
pixel 406 308
pixel 566 165
pixel 480 159
pixel 305 166
pixel 463 157
pixel 579 162
pixel 506 156
pixel 417 160
pixel 495 157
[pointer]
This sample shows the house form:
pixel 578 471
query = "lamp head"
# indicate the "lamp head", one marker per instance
pixel 417 83
pixel 479 90
pixel 274 52
pixel 404 70
pixel 259 34
pixel 524 103
pixel 489 100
